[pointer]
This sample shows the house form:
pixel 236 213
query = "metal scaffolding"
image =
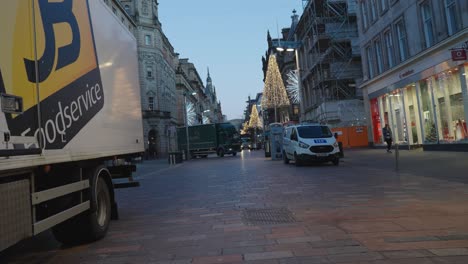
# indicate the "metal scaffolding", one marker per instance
pixel 332 53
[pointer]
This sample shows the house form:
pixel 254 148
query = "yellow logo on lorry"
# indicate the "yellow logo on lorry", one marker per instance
pixel 50 45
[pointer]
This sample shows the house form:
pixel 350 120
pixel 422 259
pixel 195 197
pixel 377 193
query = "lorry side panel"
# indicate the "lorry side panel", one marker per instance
pixel 203 137
pixel 88 82
pixel 210 138
pixel 69 89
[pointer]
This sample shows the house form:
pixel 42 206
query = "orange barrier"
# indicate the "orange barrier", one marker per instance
pixel 355 136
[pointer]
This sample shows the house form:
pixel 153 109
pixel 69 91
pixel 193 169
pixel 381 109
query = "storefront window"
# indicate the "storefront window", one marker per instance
pixel 398 117
pixel 429 122
pixel 431 111
pixel 414 133
pixel 385 109
pixel 451 110
pixel 376 124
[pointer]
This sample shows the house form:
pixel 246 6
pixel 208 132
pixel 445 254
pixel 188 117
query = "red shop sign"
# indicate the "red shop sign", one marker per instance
pixel 458 54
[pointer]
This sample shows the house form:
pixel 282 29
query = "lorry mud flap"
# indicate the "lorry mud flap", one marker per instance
pixel 122 176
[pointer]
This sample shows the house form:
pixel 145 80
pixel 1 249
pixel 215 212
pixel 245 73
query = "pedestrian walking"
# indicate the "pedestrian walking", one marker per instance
pixel 387 132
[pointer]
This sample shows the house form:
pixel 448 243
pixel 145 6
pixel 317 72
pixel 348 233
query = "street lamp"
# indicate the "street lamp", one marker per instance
pixel 294 46
pixel 187 156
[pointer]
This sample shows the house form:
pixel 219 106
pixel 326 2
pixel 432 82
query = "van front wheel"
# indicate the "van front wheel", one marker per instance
pixel 297 160
pixel 336 161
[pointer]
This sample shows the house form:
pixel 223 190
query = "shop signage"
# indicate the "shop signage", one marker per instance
pixel 406 74
pixel 458 54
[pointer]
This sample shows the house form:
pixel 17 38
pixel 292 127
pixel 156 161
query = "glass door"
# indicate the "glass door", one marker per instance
pixel 399 120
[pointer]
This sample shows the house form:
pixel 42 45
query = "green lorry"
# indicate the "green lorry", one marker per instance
pixel 220 138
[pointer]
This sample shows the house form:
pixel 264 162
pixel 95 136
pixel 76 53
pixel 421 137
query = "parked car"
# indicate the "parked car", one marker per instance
pixel 310 142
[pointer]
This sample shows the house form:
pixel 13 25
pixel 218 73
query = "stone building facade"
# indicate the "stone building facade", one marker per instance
pixel 164 79
pixel 190 89
pixel 157 67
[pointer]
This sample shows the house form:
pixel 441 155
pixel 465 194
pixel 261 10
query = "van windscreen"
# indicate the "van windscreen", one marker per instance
pixel 314 132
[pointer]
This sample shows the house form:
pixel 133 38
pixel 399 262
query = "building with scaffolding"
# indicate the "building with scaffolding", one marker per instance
pixel 330 63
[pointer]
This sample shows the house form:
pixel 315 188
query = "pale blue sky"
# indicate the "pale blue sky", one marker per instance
pixel 229 37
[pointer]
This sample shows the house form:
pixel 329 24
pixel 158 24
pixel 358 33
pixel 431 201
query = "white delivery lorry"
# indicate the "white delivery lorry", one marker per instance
pixel 70 117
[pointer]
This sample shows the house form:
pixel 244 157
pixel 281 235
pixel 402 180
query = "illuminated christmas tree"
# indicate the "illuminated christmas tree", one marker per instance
pixel 274 92
pixel 245 128
pixel 254 122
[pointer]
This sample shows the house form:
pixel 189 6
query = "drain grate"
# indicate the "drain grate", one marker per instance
pixel 267 216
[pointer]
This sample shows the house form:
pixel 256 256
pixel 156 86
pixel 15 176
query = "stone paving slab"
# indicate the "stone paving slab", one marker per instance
pixel 361 212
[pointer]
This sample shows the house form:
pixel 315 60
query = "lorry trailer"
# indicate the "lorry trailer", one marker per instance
pixel 70 117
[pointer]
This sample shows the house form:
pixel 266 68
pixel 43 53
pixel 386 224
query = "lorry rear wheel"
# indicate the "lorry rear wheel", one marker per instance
pixel 100 218
pixel 91 225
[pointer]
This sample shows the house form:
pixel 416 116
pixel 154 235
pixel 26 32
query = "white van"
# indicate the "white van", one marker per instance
pixel 310 142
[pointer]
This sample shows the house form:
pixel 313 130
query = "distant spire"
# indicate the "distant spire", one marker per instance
pixel 209 83
pixel 208 79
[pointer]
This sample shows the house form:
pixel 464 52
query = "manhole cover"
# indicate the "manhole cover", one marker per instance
pixel 267 216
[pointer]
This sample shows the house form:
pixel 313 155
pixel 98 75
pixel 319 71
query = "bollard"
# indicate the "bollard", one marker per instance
pixel 397 157
pixel 340 146
pixel 171 159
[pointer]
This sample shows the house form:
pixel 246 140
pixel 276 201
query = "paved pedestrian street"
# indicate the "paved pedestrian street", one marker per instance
pixel 249 209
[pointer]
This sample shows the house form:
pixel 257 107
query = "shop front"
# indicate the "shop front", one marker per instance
pixel 430 110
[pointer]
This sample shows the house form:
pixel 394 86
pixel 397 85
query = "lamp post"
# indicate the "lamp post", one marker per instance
pixel 187 156
pixel 294 46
